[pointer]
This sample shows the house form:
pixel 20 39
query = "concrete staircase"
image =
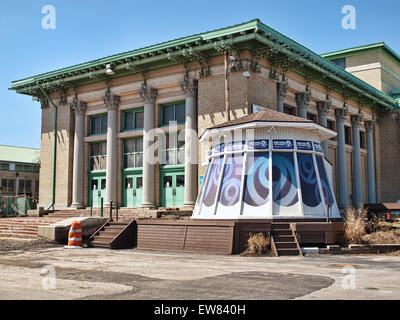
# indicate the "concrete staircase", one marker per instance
pixel 24 229
pixel 283 240
pixel 114 235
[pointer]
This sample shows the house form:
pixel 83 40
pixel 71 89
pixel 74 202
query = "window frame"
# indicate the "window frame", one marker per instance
pixel 97 116
pixel 98 156
pixel 167 105
pixel 163 150
pixel 135 111
pixel 134 153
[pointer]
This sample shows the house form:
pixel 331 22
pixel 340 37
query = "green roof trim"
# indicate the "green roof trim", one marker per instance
pixel 251 35
pixel 356 50
pixel 19 154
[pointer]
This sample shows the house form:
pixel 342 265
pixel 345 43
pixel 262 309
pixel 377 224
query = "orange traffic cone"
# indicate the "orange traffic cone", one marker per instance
pixel 75 235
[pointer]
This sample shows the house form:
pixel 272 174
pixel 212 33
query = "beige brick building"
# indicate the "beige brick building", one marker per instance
pixel 108 110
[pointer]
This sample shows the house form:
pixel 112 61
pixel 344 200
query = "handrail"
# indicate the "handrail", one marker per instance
pixel 295 240
pixel 98 230
pixel 122 231
pixel 273 246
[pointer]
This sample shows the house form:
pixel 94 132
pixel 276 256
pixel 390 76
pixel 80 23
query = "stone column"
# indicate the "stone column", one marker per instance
pixel 148 95
pixel 302 101
pixel 369 125
pixel 191 142
pixel 341 115
pixel 79 107
pixel 323 108
pixel 356 121
pixel 112 103
pixel 282 88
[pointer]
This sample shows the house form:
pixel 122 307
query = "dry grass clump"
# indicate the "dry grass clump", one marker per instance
pixel 383 237
pixel 355 226
pixel 257 244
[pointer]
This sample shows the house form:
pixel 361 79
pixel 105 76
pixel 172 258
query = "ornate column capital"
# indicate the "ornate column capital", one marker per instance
pixel 189 87
pixel 148 94
pixel 323 107
pixel 303 98
pixel 341 114
pixel 111 100
pixel 356 120
pixel 283 87
pixel 369 125
pixel 79 107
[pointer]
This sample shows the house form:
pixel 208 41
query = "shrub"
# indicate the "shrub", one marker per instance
pixel 257 244
pixel 354 226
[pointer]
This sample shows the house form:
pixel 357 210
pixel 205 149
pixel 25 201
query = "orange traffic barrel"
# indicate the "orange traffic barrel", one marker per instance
pixel 75 234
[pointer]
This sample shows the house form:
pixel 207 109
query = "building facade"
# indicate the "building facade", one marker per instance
pixel 19 171
pixel 104 122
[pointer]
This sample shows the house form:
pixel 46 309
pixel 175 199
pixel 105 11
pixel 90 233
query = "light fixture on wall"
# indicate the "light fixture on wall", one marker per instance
pixel 109 71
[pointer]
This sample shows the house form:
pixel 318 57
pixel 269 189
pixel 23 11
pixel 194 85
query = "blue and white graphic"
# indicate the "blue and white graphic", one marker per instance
pixel 304 145
pixel 283 144
pixel 258 144
pixel 235 146
pixel 317 147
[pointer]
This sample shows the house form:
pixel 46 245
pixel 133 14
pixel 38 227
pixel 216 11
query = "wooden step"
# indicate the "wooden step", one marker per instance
pixel 280 225
pixel 284 239
pixel 282 232
pixel 286 245
pixel 288 252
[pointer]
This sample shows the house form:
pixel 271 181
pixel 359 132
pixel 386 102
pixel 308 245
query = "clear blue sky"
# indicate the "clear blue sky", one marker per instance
pixel 90 29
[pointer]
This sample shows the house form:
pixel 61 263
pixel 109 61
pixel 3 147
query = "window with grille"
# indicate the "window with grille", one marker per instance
pixel 174 112
pixel 172 150
pixel 98 156
pixel 133 119
pixel 98 124
pixel 133 153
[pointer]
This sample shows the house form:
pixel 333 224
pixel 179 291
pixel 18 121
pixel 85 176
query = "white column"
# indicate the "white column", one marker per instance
pixel 356 121
pixel 341 115
pixel 79 108
pixel 369 125
pixel 148 95
pixel 282 88
pixel 302 101
pixel 191 142
pixel 112 103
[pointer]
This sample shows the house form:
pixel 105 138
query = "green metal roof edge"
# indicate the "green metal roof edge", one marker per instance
pixel 319 62
pixel 354 50
pixel 137 52
pixel 19 154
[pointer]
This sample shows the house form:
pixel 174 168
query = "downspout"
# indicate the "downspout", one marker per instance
pixel 54 147
pixel 227 107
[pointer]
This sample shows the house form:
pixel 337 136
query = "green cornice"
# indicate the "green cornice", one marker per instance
pixel 362 49
pixel 252 35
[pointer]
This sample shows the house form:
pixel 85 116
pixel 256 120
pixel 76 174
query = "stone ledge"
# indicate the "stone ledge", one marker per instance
pixel 59 230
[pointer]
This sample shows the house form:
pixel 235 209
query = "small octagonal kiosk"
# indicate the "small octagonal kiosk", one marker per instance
pixel 267 165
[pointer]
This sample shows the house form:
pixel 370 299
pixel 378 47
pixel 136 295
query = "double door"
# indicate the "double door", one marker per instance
pixel 132 189
pixel 172 187
pixel 97 190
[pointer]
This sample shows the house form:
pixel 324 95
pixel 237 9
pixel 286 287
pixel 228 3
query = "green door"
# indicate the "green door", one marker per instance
pixel 172 188
pixel 97 190
pixel 132 191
